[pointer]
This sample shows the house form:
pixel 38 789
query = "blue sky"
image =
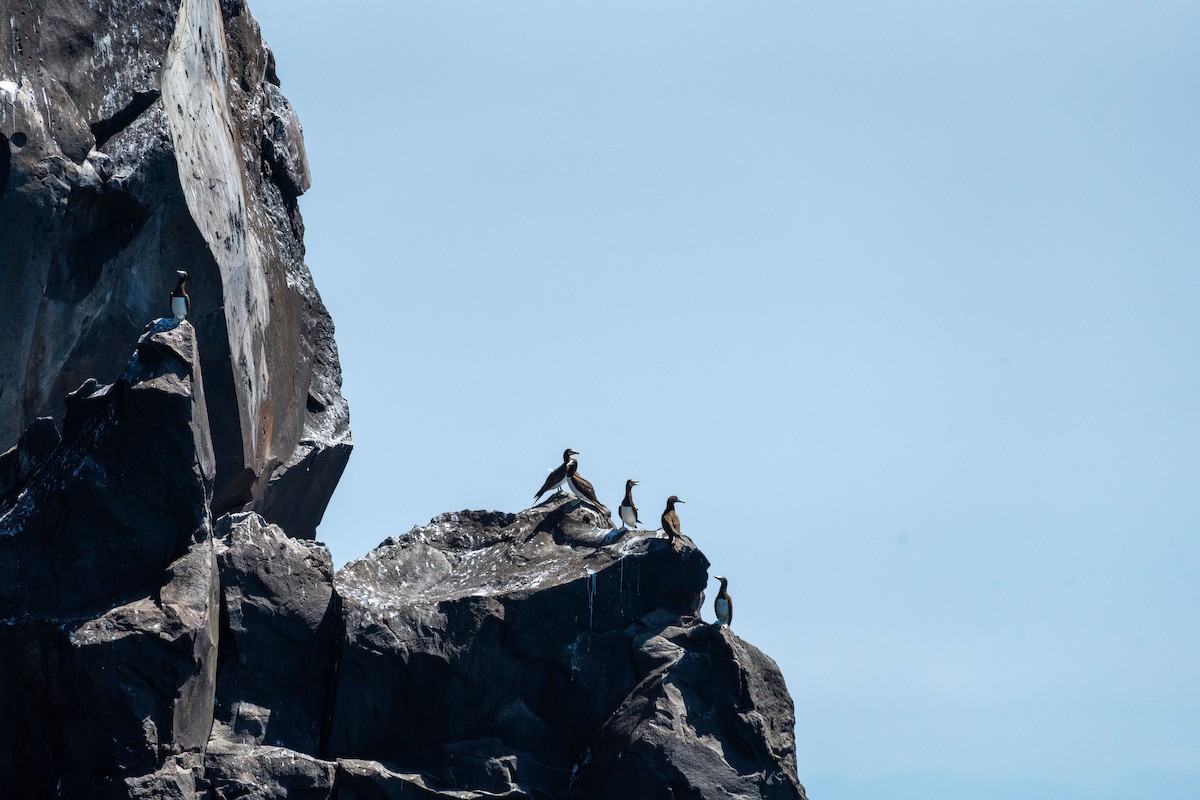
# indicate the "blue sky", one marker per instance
pixel 902 299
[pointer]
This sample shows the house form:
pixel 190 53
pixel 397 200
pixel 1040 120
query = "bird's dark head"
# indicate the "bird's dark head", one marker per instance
pixel 568 453
pixel 724 581
pixel 672 500
pixel 183 276
pixel 629 484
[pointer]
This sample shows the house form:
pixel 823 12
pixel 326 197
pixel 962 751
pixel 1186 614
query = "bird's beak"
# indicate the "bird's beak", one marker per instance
pixel 678 501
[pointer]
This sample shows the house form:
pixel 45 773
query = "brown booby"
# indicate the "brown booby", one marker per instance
pixel 181 304
pixel 723 605
pixel 582 488
pixel 670 521
pixel 558 476
pixel 628 511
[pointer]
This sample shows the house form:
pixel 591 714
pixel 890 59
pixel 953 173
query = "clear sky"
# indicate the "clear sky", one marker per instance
pixel 903 300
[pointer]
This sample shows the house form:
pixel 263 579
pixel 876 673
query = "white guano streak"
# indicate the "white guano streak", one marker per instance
pixel 194 81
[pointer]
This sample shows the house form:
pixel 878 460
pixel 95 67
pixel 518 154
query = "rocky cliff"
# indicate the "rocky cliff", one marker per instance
pixel 168 626
pixel 153 649
pixel 138 138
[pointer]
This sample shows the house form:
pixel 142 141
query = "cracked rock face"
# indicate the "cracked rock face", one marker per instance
pixel 279 627
pixel 108 581
pixel 710 716
pixel 527 655
pixel 141 138
pixel 168 629
pixel 149 652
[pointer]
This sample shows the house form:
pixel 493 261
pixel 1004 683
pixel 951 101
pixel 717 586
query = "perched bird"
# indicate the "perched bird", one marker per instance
pixel 558 476
pixel 723 605
pixel 181 304
pixel 582 488
pixel 670 521
pixel 628 511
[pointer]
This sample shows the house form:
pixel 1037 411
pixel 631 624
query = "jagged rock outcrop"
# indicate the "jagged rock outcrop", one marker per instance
pixel 152 652
pixel 541 655
pixel 279 628
pixel 108 581
pixel 168 627
pixel 21 460
pixel 141 138
pixel 709 717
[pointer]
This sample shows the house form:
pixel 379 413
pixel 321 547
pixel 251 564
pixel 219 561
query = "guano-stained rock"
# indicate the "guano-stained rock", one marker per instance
pixel 149 652
pixel 141 138
pixel 486 654
pixel 279 629
pixel 266 773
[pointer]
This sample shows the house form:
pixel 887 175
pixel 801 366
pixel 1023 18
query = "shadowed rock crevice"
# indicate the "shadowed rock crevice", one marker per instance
pixel 97 226
pixel 22 460
pixel 109 127
pixel 5 167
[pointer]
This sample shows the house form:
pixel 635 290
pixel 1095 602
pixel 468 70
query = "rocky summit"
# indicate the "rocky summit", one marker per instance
pixel 169 627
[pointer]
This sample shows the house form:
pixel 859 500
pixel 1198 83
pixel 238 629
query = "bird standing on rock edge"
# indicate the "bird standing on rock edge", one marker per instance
pixel 582 488
pixel 181 304
pixel 558 477
pixel 723 605
pixel 628 511
pixel 670 522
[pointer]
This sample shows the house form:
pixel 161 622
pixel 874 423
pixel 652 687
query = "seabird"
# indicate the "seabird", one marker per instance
pixel 628 511
pixel 670 521
pixel 557 477
pixel 181 304
pixel 582 487
pixel 723 605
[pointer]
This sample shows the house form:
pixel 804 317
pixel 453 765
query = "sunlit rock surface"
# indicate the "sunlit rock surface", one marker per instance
pixel 151 651
pixel 138 138
pixel 520 655
pixel 168 626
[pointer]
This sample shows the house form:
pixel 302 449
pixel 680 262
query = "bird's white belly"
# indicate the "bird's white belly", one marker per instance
pixel 179 307
pixel 722 609
pixel 628 517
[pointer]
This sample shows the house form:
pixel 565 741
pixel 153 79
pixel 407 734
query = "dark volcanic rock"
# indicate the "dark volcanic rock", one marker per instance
pixel 147 652
pixel 266 773
pixel 123 497
pixel 488 653
pixel 107 583
pixel 710 717
pixel 151 653
pixel 141 138
pixel 21 460
pixel 482 625
pixel 279 628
